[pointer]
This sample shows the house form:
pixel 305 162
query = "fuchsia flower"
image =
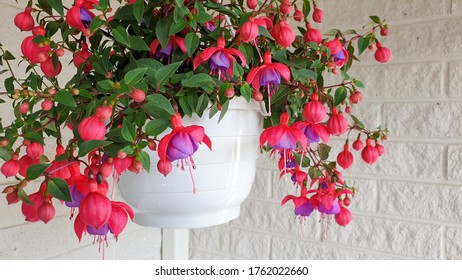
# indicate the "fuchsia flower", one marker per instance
pixel 166 53
pixel 369 153
pixel 25 162
pixel 79 17
pixel 343 217
pixel 345 158
pixel 303 206
pixel 35 150
pixel 249 30
pixel 60 169
pixel 283 136
pixel 35 53
pixel 252 4
pixel 314 113
pixel 312 35
pixel 181 144
pixel 221 60
pixel 82 57
pixel 318 14
pixel 92 128
pixel 95 209
pixel 49 69
pixel 382 54
pixel 283 34
pixel 11 167
pixel 337 124
pixel 24 21
pixel 337 51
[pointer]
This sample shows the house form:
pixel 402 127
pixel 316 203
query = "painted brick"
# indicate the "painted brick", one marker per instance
pixel 262 183
pixel 409 160
pixel 288 249
pixel 456 7
pixel 365 199
pixel 434 119
pixel 425 201
pixel 400 80
pixel 455 163
pixel 391 10
pixel 453 246
pixel 455 83
pixel 403 238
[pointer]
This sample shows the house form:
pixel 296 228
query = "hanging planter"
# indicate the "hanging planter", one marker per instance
pixel 223 177
pixel 143 73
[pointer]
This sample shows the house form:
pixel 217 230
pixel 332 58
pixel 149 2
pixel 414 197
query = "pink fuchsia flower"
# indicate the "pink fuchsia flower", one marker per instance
pixel 164 54
pixel 210 25
pixel 49 69
pixel 11 167
pixel 318 14
pixel 95 209
pixel 181 144
pixel 339 54
pixel 303 206
pixel 356 97
pixel 82 57
pixel 25 162
pixel 382 54
pixel 312 35
pixel 79 17
pixel 35 150
pixel 337 124
pixel 298 15
pixel 88 4
pixel 358 144
pixel 283 136
pixel 46 211
pixel 249 30
pixel 119 217
pixel 30 211
pixel 283 34
pixel 24 21
pixel 343 217
pixel 369 153
pixel 34 52
pixel 380 148
pixel 59 169
pixel 252 4
pixel 92 128
pixel 345 158
pixel 314 113
pixel 221 60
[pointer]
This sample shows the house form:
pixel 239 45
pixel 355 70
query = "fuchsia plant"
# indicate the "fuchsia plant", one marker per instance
pixel 139 67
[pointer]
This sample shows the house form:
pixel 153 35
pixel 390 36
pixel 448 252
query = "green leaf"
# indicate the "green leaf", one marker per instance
pixel 162 30
pixel 324 151
pixel 134 76
pixel 36 170
pixel 57 5
pixel 9 86
pixel 306 7
pixel 121 35
pixel 375 19
pixel 345 75
pixel 115 135
pixel 138 10
pixel 165 72
pixel 340 95
pixel 176 27
pixel 59 189
pixel 128 131
pixel 65 97
pixel 6 153
pixel 89 146
pixel 314 173
pixel 24 197
pixel 52 27
pixel 96 23
pixel 357 122
pixel 137 43
pixel 34 137
pixel 305 161
pixel 246 91
pixel 161 103
pixel 197 80
pixel 156 127
pixel 358 84
pixel 363 43
pixel 222 9
pixel 192 42
pixel 106 84
pixel 264 32
pixel 224 109
pixel 145 160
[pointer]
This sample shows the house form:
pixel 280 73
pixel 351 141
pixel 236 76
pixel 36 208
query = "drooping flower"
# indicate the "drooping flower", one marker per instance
pixel 358 144
pixel 46 211
pixel 25 162
pixel 35 150
pixel 339 54
pixel 249 30
pixel 337 124
pixel 34 52
pixel 318 14
pixel 24 21
pixel 82 57
pixel 252 4
pixel 298 15
pixel 11 167
pixel 369 153
pixel 79 17
pixel 119 217
pixel 30 211
pixel 180 144
pixel 283 136
pixel 95 209
pixel 221 60
pixel 50 69
pixel 283 34
pixel 314 113
pixel 382 54
pixel 92 128
pixel 303 206
pixel 343 217
pixel 60 169
pixel 312 35
pixel 165 54
pixel 345 158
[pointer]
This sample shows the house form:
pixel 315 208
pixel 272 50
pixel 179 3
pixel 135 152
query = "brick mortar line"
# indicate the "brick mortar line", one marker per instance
pixel 415 100
pixel 404 179
pixel 443 243
pixel 410 60
pixel 328 243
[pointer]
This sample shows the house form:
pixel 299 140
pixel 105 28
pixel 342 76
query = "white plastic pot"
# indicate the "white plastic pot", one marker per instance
pixel 223 177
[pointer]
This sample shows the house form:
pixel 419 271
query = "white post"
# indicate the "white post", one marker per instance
pixel 175 244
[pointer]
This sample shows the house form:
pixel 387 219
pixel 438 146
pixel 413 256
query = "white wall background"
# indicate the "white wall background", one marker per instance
pixel 408 206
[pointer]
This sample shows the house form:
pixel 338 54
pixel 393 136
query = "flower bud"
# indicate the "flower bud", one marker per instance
pixel 369 153
pixel 46 212
pixel 345 158
pixel 344 217
pixel 46 105
pixel 24 21
pixel 104 112
pixel 49 69
pixel 312 35
pixel 252 4
pixel 138 95
pixel 382 54
pixel 379 148
pixel 92 128
pixel 298 15
pixel 337 124
pixel 314 111
pixel 35 150
pixel 318 14
pixel 356 97
pixel 11 167
pixel 383 31
pixel 283 34
pixel 24 108
pixel 229 92
pixel 12 197
pixel 164 167
pixel 358 145
pixel 257 96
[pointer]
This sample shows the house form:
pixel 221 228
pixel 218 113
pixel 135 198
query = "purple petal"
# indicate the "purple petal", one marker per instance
pixel 311 134
pixel 76 197
pixel 165 52
pixel 102 231
pixel 339 56
pixel 335 209
pixel 270 76
pixel 181 146
pixel 85 17
pixel 286 142
pixel 304 210
pixel 219 61
pixel 210 26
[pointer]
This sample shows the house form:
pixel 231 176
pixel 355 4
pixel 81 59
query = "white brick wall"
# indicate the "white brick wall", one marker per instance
pixel 56 240
pixel 408 205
